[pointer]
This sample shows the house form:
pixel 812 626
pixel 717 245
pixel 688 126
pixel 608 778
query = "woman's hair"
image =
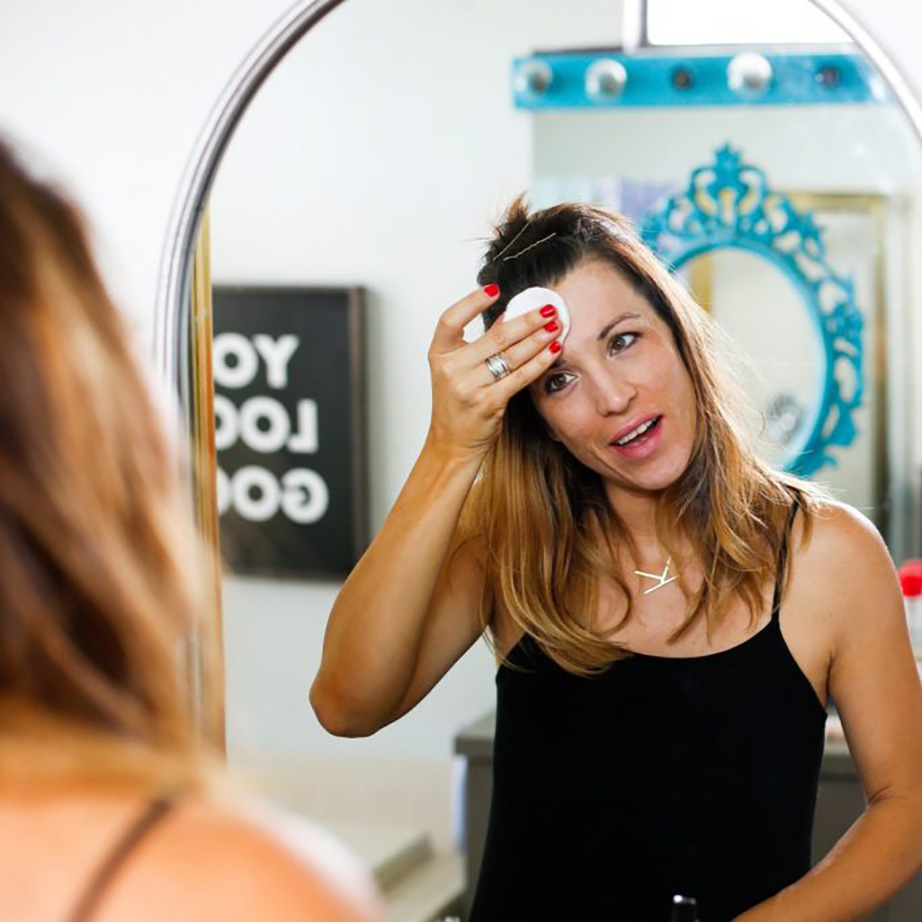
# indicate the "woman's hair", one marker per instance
pixel 548 530
pixel 99 558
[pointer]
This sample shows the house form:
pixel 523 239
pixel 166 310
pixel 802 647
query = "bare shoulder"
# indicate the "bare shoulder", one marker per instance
pixel 844 571
pixel 212 861
pixel 842 536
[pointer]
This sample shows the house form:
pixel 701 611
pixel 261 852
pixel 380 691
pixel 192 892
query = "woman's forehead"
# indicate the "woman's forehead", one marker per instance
pixel 597 292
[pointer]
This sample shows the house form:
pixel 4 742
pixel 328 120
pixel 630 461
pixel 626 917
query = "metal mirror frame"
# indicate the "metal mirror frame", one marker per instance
pixel 171 317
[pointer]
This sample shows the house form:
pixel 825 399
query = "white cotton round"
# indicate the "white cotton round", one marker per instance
pixel 533 298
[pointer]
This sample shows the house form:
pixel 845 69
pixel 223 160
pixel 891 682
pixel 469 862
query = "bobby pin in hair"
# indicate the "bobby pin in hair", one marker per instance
pixel 513 240
pixel 526 249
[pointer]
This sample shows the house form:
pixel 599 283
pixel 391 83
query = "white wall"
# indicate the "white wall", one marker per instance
pixel 111 95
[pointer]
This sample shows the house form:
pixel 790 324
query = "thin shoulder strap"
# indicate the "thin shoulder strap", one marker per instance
pixel 95 890
pixel 783 557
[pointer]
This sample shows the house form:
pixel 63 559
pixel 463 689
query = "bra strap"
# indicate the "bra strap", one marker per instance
pixel 783 557
pixel 95 890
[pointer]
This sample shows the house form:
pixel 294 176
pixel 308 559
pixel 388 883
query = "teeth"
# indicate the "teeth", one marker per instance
pixel 640 430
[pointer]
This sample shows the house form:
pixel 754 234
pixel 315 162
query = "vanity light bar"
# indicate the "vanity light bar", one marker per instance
pixel 567 80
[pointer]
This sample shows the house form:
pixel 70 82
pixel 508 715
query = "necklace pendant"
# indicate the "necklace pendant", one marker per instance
pixel 659 577
pixel 659 585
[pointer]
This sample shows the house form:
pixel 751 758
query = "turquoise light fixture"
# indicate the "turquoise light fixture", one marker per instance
pixel 603 79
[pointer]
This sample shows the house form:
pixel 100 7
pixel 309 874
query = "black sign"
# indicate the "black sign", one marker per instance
pixel 290 429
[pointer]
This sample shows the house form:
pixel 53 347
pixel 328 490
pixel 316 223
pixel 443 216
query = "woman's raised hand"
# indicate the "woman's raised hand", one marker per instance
pixel 468 402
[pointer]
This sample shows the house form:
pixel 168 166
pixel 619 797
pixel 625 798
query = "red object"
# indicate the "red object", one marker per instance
pixel 910 573
pixel 548 310
pixel 555 346
pixel 550 327
pixel 491 290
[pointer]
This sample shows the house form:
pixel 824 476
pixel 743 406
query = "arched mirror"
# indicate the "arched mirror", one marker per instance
pixel 349 181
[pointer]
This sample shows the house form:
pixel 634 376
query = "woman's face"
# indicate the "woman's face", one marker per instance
pixel 619 370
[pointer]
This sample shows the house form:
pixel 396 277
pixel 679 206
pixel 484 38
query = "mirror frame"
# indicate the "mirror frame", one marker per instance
pixel 754 217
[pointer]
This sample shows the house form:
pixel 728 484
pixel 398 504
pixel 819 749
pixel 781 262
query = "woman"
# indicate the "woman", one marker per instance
pixel 598 513
pixel 109 809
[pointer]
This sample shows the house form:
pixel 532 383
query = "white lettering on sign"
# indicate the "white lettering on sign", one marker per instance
pixel 305 497
pixel 305 440
pixel 276 354
pixel 264 424
pixel 244 423
pixel 273 436
pixel 243 370
pixel 265 503
pixel 255 494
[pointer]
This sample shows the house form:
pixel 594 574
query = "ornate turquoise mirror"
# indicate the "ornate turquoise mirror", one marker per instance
pixel 808 369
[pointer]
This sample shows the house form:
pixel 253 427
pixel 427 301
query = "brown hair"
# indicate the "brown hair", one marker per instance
pixel 98 553
pixel 543 516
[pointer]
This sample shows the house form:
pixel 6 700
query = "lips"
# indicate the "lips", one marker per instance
pixel 631 426
pixel 643 447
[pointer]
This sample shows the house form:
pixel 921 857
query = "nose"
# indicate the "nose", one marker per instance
pixel 612 396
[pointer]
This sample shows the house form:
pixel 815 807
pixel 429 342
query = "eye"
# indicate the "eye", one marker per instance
pixel 549 386
pixel 617 342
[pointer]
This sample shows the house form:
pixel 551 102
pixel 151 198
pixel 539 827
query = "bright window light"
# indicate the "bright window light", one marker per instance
pixel 721 22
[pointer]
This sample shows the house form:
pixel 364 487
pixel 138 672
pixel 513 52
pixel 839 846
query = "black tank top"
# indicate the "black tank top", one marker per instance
pixel 663 775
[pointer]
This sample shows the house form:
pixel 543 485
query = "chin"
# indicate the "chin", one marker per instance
pixel 663 477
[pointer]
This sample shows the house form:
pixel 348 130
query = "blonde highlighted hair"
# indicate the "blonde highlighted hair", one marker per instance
pixel 99 559
pixel 549 531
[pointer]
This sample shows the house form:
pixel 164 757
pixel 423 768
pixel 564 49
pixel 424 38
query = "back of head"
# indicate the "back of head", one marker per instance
pixel 98 558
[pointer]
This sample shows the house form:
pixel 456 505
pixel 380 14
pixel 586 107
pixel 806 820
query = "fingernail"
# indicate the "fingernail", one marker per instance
pixel 491 291
pixel 550 327
pixel 548 310
pixel 555 346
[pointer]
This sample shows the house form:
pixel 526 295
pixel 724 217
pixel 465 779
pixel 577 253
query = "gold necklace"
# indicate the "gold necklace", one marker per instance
pixel 659 577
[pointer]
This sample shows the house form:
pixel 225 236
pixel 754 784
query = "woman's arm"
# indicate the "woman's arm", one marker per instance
pixel 875 684
pixel 374 636
pixel 406 613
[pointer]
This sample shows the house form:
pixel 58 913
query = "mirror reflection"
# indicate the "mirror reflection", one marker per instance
pixel 764 315
pixel 356 203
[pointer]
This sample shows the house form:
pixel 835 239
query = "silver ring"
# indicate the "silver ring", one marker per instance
pixel 498 365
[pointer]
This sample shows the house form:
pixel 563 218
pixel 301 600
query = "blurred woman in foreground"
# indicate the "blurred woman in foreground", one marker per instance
pixel 108 805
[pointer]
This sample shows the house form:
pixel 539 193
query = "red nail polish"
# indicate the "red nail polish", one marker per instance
pixel 550 327
pixel 555 346
pixel 548 310
pixel 491 291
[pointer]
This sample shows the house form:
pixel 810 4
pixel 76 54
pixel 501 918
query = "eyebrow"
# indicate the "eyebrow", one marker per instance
pixel 627 315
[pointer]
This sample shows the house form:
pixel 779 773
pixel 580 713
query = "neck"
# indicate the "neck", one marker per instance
pixel 637 512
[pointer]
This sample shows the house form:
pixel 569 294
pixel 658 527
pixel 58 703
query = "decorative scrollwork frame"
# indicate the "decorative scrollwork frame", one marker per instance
pixel 730 204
